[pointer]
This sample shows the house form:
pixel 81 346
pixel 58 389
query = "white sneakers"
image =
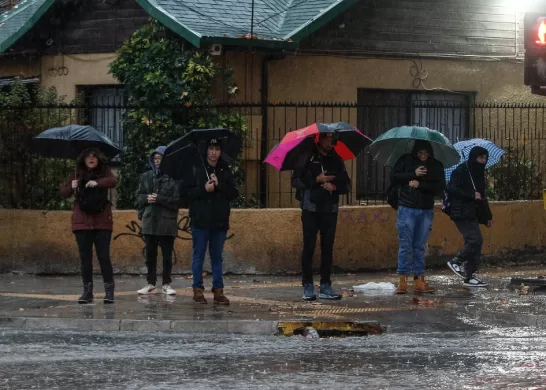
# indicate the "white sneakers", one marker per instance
pixel 150 289
pixel 167 289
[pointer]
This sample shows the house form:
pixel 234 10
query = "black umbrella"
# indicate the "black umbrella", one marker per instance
pixel 190 148
pixel 69 141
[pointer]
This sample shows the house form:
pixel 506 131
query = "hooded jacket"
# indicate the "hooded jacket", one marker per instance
pixel 210 210
pixel 430 185
pixel 158 219
pixel 465 180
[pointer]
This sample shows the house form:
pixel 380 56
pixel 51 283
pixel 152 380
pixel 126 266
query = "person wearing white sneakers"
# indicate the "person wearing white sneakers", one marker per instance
pixel 158 204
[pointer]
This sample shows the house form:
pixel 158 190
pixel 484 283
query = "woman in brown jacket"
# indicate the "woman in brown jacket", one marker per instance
pixel 92 219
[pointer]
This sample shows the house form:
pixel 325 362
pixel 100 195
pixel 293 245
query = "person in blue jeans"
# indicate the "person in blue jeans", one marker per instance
pixel 210 188
pixel 419 178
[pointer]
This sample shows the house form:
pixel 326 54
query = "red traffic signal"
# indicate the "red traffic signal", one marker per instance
pixel 535 31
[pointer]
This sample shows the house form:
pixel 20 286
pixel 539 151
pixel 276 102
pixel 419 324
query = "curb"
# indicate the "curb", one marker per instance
pixel 512 319
pixel 246 327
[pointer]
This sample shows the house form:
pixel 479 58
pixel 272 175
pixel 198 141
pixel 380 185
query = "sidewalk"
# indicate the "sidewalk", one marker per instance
pixel 269 305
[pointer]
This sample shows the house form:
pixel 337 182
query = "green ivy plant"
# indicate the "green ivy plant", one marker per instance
pixel 29 181
pixel 170 92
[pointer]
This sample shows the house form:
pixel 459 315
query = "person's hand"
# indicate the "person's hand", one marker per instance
pixel 322 178
pixel 489 224
pixel 414 184
pixel 74 184
pixel 477 196
pixel 330 187
pixel 209 187
pixel 421 171
pixel 91 184
pixel 214 178
pixel 152 198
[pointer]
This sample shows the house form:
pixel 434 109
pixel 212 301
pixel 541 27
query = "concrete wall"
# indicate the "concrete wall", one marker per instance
pixel 263 241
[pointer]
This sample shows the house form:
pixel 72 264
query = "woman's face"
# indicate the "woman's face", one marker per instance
pixel 482 159
pixel 91 161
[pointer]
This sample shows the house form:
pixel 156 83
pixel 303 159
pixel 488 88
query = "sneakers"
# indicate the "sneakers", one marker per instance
pixel 167 289
pixel 149 289
pixel 458 269
pixel 327 292
pixel 309 292
pixel 474 282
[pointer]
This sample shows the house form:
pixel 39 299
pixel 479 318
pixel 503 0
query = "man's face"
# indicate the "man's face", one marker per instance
pixel 157 159
pixel 482 159
pixel 213 153
pixel 91 161
pixel 423 155
pixel 325 142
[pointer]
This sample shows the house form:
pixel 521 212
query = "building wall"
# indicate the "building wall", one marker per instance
pixel 265 241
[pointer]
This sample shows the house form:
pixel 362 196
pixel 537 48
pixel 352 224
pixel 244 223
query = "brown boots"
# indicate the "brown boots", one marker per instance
pixel 419 285
pixel 402 285
pixel 198 296
pixel 219 297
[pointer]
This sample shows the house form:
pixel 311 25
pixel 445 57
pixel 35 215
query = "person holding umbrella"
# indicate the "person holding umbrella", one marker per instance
pixel 158 202
pixel 92 218
pixel 319 184
pixel 468 208
pixel 209 188
pixel 420 177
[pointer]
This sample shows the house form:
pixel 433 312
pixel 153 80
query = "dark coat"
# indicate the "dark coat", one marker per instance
pixel 464 206
pixel 82 220
pixel 210 210
pixel 158 219
pixel 305 180
pixel 430 185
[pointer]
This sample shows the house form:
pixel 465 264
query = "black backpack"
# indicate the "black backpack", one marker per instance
pixel 92 200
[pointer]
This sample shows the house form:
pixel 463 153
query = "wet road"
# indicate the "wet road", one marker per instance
pixel 495 358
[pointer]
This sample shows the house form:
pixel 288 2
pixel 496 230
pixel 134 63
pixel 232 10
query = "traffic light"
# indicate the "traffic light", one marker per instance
pixel 535 49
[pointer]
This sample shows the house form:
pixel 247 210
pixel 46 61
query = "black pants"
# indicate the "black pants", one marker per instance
pixel 166 243
pixel 472 250
pixel 325 223
pixel 101 239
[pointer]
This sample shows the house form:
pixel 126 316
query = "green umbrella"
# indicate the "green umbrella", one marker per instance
pixel 390 146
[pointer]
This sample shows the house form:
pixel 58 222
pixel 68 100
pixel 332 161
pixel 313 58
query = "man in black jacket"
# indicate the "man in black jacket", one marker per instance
pixel 209 190
pixel 318 186
pixel 468 209
pixel 419 177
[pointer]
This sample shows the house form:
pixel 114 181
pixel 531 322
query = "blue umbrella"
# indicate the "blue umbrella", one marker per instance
pixel 464 148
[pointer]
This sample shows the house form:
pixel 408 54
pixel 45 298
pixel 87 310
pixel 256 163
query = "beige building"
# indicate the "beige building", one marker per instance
pixel 380 59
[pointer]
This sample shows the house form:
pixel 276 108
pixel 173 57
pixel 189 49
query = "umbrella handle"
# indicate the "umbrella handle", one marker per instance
pixel 204 166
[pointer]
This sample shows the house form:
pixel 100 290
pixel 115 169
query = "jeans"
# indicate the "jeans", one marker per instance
pixel 215 239
pixel 101 239
pixel 313 223
pixel 414 226
pixel 473 241
pixel 166 243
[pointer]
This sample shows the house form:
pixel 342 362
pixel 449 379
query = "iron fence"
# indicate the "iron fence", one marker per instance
pixel 27 181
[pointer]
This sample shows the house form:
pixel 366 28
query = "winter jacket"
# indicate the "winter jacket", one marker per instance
pixel 430 185
pixel 82 220
pixel 158 219
pixel 310 193
pixel 464 206
pixel 210 210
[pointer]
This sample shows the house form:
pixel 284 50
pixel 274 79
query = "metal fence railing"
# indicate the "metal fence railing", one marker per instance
pixel 27 181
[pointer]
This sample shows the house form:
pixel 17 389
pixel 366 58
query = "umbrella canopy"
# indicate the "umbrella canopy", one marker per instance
pixel 190 149
pixel 464 148
pixel 69 141
pixel 393 144
pixel 297 146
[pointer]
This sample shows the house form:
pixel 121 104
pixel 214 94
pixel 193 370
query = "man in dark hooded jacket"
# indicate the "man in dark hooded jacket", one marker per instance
pixel 419 177
pixel 158 202
pixel 468 209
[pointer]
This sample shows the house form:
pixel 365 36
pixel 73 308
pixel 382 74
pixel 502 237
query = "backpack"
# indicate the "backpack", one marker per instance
pixel 393 195
pixel 92 200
